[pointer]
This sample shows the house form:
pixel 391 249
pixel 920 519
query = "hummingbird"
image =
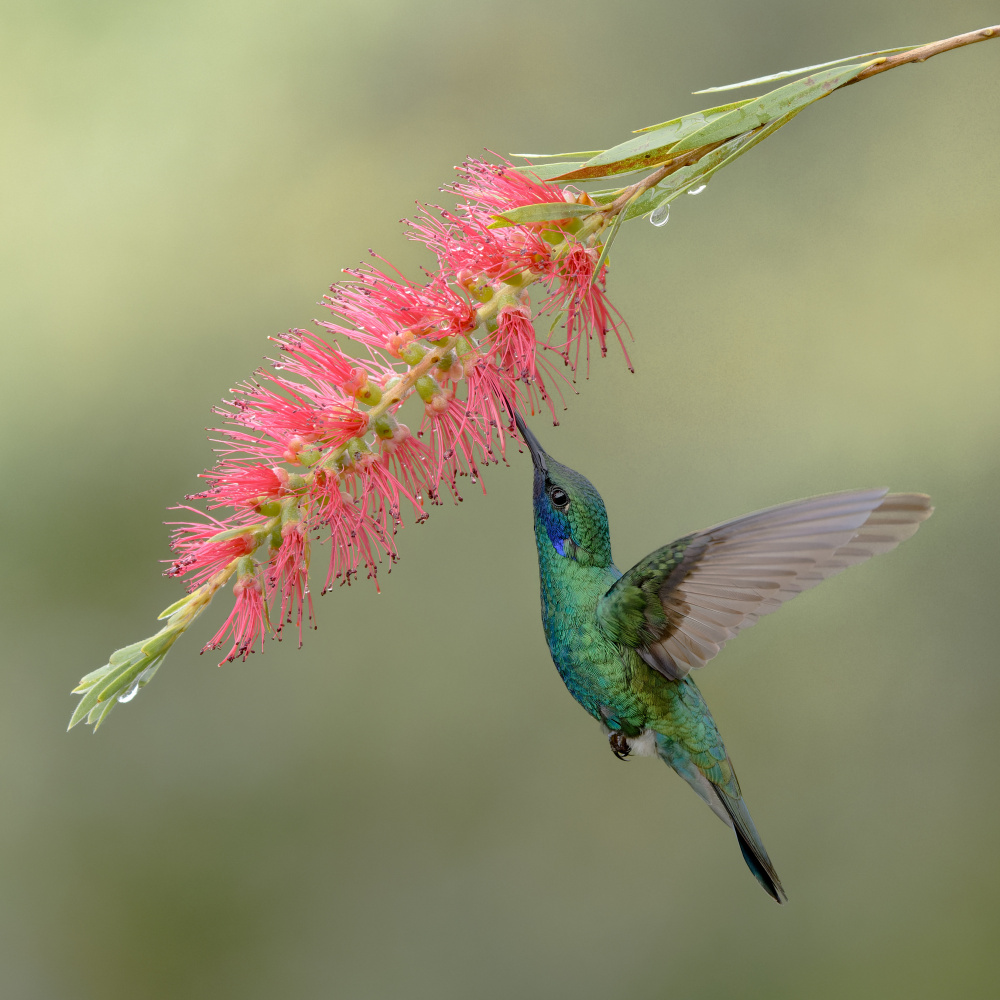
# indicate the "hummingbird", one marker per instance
pixel 625 643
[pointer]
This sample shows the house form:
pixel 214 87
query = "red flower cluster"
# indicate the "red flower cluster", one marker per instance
pixel 313 446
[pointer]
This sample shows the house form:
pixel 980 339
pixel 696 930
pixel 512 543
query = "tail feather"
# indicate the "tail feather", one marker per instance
pixel 721 790
pixel 688 741
pixel 751 846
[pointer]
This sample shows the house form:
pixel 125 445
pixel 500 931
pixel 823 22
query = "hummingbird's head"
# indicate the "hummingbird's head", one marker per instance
pixel 569 512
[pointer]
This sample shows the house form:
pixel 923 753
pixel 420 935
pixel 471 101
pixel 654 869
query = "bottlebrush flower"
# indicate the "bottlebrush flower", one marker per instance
pixel 288 576
pixel 248 622
pixel 469 251
pixel 455 436
pixel 390 313
pixel 326 367
pixel 492 393
pixel 586 306
pixel 317 436
pixel 356 538
pixel 409 462
pixel 312 446
pixel 199 555
pixel 499 187
pixel 243 486
pixel 514 347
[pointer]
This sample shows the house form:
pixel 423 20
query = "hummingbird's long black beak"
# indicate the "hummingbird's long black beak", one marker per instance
pixel 538 456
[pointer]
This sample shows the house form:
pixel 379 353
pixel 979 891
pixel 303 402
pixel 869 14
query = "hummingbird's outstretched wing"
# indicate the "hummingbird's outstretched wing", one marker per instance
pixel 680 605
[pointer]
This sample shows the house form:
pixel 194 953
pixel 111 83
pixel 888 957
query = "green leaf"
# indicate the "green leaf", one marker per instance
pixel 605 196
pixel 118 681
pixel 677 183
pixel 545 171
pixel 556 156
pixel 101 713
pixel 158 644
pixel 125 655
pixel 131 665
pixel 784 74
pixel 606 249
pixel 84 708
pixel 548 211
pixel 224 536
pixel 175 607
pixel 766 108
pixel 651 147
pixel 693 118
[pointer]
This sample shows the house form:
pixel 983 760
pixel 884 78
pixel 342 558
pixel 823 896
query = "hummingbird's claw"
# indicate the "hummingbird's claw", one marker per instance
pixel 619 744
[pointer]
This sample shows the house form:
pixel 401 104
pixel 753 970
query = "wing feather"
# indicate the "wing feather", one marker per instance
pixel 701 591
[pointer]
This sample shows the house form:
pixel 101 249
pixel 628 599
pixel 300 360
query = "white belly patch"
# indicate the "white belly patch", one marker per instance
pixel 643 745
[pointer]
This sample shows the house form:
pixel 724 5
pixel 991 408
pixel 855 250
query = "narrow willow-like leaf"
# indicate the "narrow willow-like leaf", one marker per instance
pixel 175 607
pixel 606 249
pixel 645 151
pixel 84 708
pixel 774 104
pixel 118 657
pixel 119 680
pixel 158 644
pixel 89 680
pixel 699 173
pixel 101 713
pixel 128 665
pixel 557 156
pixel 685 178
pixel 606 196
pixel 546 171
pixel 548 211
pixel 720 110
pixel 784 74
pixel 224 536
pixel 651 147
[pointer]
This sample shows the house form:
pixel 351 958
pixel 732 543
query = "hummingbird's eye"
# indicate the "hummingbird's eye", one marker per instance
pixel 559 498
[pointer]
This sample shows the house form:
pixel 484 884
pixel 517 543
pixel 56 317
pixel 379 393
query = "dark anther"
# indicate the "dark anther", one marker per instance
pixel 619 745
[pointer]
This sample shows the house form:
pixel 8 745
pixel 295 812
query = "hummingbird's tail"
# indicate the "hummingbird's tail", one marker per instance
pixel 715 781
pixel 751 845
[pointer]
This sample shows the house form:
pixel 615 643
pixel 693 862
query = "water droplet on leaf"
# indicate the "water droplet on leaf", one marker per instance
pixel 698 189
pixel 130 693
pixel 660 215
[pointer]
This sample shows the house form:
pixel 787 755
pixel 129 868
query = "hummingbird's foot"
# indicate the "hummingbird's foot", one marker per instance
pixel 619 744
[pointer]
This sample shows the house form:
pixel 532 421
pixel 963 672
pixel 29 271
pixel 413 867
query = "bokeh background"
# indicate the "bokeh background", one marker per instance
pixel 411 805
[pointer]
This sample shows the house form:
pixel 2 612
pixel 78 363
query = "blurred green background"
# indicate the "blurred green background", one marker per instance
pixel 412 806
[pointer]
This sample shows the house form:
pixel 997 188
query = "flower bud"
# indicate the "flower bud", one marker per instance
pixel 246 566
pixel 369 394
pixel 355 450
pixel 478 286
pixel 427 388
pixel 385 427
pixel 412 354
